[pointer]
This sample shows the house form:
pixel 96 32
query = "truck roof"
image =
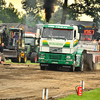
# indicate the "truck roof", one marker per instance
pixel 15 29
pixel 30 34
pixel 60 26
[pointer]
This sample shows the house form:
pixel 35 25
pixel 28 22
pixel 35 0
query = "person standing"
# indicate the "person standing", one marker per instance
pixel 16 38
pixel 2 58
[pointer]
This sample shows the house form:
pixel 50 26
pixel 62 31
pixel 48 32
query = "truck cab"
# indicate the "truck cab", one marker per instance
pixel 58 46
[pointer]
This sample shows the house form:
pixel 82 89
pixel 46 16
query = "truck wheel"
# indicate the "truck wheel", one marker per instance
pixel 38 54
pixel 72 69
pixel 19 58
pixel 24 60
pixel 34 57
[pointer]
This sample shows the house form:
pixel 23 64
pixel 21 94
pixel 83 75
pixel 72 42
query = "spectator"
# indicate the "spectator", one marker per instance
pixel 2 58
pixel 1 47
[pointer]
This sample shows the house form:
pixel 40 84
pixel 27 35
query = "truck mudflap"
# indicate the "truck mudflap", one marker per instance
pixel 95 59
pixel 10 53
pixel 89 62
pixel 86 62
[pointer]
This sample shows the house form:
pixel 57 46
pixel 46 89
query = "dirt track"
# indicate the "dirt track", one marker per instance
pixel 22 82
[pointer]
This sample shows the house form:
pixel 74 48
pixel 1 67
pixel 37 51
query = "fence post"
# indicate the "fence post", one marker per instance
pixel 45 94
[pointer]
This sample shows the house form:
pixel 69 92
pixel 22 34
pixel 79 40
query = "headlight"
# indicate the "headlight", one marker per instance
pixel 42 55
pixel 68 57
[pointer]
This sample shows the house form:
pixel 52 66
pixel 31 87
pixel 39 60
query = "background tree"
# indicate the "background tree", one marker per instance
pixel 79 7
pixel 34 11
pixel 9 14
pixel 57 16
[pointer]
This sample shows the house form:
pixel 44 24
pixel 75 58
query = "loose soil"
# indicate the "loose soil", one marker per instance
pixel 26 82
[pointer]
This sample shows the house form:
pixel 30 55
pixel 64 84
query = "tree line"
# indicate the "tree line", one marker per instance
pixel 60 10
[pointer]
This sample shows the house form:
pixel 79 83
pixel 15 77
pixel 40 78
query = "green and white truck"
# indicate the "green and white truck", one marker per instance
pixel 59 48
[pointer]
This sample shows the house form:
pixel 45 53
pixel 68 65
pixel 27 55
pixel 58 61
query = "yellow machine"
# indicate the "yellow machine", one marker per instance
pixel 15 50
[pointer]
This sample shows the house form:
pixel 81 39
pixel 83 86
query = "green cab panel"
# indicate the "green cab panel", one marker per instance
pixel 78 57
pixel 79 51
pixel 58 26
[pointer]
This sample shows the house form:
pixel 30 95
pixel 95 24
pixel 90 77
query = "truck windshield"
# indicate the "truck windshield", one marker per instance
pixel 58 33
pixel 86 37
pixel 29 41
pixel 87 34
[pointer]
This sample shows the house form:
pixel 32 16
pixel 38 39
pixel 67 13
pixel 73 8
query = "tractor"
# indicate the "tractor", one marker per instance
pixel 15 49
pixel 32 45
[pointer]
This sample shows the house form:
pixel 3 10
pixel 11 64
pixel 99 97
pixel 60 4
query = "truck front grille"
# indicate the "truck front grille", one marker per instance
pixel 57 57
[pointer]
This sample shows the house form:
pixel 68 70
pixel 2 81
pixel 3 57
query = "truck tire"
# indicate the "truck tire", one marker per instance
pixel 24 60
pixel 72 69
pixel 18 58
pixel 38 54
pixel 34 57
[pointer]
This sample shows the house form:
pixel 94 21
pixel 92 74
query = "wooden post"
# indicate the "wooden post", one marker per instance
pixel 45 94
pixel 82 85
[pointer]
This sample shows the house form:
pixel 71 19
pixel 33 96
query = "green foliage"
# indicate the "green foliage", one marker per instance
pixel 79 7
pixel 31 21
pixel 33 9
pixel 0 21
pixel 56 17
pixel 9 14
pixel 90 95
